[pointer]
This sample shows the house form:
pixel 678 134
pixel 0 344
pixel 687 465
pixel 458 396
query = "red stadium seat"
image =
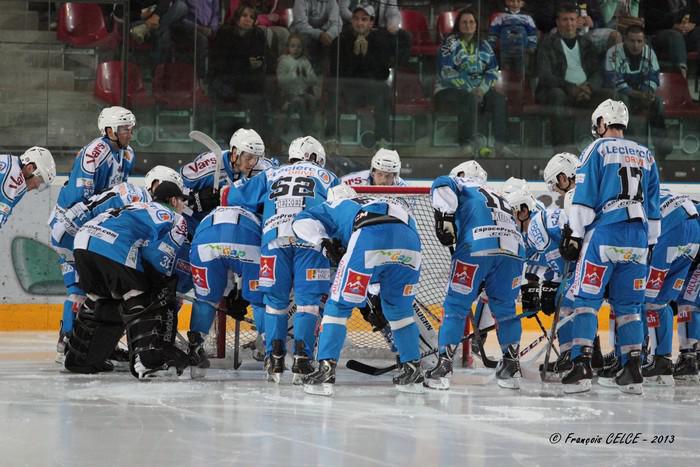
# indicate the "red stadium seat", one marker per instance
pixel 108 85
pixel 175 87
pixel 414 22
pixel 286 17
pixel 410 102
pixel 445 23
pixel 82 25
pixel 674 91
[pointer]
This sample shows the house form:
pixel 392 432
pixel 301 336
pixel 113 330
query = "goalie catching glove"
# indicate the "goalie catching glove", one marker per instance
pixel 204 200
pixel 332 249
pixel 445 229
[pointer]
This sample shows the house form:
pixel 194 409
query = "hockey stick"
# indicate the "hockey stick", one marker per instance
pixel 544 331
pixel 192 299
pixel 214 147
pixel 488 363
pixel 236 346
pixel 555 320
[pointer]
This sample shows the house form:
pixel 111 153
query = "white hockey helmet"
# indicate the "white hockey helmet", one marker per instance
pixel 114 117
pixel 470 169
pixel 563 162
pixel 162 173
pixel 247 140
pixel 386 160
pixel 514 184
pixel 517 198
pixel 339 192
pixel 44 165
pixel 307 148
pixel 612 112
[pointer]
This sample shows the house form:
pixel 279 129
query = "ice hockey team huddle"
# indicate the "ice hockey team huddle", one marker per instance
pixel 271 236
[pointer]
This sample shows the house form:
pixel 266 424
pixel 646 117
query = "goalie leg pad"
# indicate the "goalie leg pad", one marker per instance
pixel 96 332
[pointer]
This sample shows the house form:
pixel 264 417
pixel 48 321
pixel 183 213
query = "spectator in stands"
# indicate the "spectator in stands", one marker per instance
pixel 297 80
pixel 155 18
pixel 668 21
pixel 361 66
pixel 619 14
pixel 387 21
pixel 238 64
pixel 269 18
pixel 514 34
pixel 631 69
pixel 198 27
pixel 466 75
pixel 318 21
pixel 569 75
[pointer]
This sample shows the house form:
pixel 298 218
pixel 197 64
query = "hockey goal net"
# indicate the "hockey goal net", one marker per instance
pixel 360 337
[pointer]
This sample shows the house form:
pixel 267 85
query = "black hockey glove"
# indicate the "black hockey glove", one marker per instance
pixel 235 305
pixel 372 313
pixel 549 297
pixel 204 200
pixel 445 228
pixel 332 249
pixel 570 246
pixel 530 297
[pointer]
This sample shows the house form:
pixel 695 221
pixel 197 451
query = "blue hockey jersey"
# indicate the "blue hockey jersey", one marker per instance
pixel 675 209
pixel 281 193
pixel 341 218
pixel 13 186
pixel 96 168
pixel 484 220
pixel 199 173
pixel 139 232
pixel 543 236
pixel 617 180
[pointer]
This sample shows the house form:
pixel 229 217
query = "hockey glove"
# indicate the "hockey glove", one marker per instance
pixel 235 305
pixel 445 229
pixel 203 200
pixel 530 297
pixel 332 249
pixel 570 246
pixel 549 297
pixel 372 313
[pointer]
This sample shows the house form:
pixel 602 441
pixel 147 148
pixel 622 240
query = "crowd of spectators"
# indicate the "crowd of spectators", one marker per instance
pixel 335 53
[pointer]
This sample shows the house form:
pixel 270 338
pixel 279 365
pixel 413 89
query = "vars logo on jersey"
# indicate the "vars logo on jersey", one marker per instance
pixel 592 277
pixel 463 277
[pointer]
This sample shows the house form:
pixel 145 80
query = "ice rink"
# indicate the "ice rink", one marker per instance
pixel 53 418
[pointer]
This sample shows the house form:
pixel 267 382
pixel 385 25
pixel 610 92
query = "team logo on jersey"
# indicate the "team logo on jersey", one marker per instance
pixel 655 281
pixel 463 277
pixel 678 284
pixel 616 254
pixel 653 319
pixel 592 277
pixel 355 289
pixel 516 283
pixel 164 216
pixel 267 270
pixel 684 315
pixel 318 274
pixel 409 289
pixel 199 278
pixel 639 284
pixel 324 176
pixel 183 266
pixel 253 285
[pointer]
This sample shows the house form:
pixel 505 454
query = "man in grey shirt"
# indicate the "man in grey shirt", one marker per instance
pixel 318 21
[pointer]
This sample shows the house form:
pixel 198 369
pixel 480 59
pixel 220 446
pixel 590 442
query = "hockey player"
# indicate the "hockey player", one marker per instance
pixel 281 193
pixel 686 367
pixel 470 170
pixel 490 251
pixel 381 244
pixel 560 172
pixel 246 147
pixel 33 170
pixel 125 259
pixel 670 261
pixel 227 242
pixel 614 220
pixel 66 226
pixel 385 169
pixel 105 162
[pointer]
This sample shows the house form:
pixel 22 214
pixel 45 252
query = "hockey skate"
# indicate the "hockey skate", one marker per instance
pixel 508 372
pixel 199 362
pixel 659 371
pixel 167 362
pixel 437 378
pixel 629 380
pixel 301 366
pixel 606 376
pixel 119 359
pixel 410 379
pixel 274 363
pixel 686 367
pixel 597 359
pixel 561 366
pixel 579 378
pixel 321 381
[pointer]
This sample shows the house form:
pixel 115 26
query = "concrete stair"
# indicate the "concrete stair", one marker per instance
pixel 12 19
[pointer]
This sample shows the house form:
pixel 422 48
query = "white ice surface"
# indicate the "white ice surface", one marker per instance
pixel 52 418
